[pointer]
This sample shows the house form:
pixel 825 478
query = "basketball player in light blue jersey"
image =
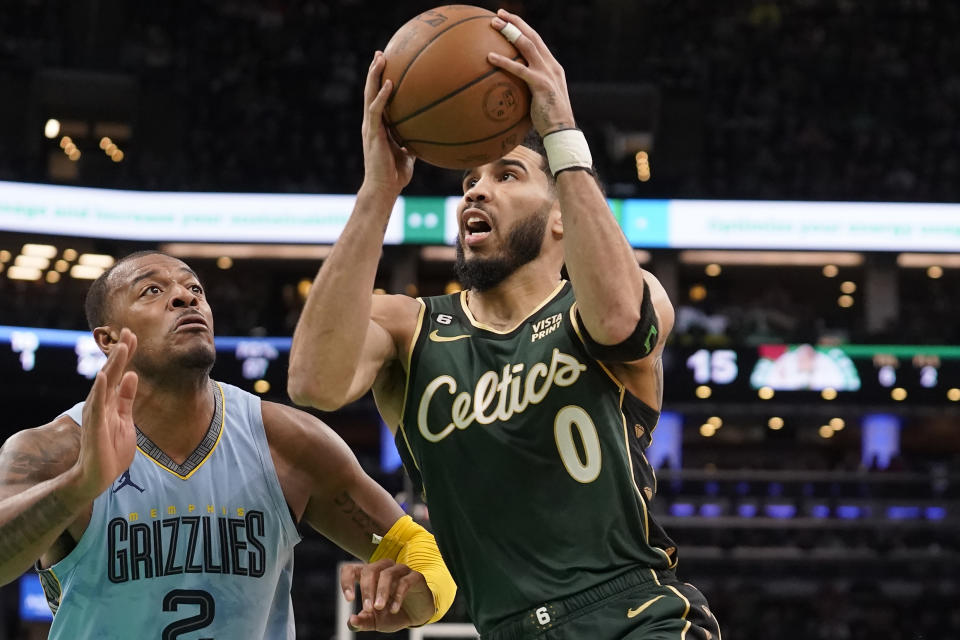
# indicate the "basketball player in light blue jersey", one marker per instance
pixel 166 505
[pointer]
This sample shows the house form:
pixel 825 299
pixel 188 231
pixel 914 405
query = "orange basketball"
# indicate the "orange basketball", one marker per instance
pixel 449 106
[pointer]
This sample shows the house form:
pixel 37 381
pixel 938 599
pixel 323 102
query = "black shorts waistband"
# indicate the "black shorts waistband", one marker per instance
pixel 551 613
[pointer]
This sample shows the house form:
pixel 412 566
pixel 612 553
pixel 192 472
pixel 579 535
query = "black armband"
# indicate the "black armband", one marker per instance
pixel 639 344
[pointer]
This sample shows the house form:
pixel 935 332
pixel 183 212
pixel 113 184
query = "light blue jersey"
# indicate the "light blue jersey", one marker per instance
pixel 184 552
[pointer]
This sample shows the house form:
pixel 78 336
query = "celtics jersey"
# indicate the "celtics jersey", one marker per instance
pixel 202 549
pixel 530 457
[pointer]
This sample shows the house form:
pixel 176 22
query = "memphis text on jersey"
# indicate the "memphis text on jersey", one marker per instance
pixel 498 396
pixel 195 539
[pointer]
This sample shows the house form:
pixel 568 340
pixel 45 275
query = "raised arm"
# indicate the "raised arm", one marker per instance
pixel 603 269
pixel 405 583
pixel 338 350
pixel 49 476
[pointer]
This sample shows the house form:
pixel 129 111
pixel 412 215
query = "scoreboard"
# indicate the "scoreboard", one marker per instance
pixel 927 374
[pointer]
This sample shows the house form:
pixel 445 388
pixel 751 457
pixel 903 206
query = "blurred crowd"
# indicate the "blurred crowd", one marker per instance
pixel 795 99
pixel 786 99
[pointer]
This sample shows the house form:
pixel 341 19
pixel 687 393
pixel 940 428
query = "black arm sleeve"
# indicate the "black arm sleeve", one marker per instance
pixel 638 345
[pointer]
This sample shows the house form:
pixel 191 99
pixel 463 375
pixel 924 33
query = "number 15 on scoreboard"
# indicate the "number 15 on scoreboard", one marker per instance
pixel 717 367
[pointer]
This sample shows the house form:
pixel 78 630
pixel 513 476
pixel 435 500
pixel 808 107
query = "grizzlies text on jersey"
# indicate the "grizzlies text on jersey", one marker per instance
pixel 202 549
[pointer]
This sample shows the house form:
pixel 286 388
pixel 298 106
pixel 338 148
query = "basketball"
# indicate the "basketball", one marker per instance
pixel 451 107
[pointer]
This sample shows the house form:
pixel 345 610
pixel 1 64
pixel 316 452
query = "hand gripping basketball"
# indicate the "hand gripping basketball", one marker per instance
pixel 550 108
pixel 449 105
pixel 385 163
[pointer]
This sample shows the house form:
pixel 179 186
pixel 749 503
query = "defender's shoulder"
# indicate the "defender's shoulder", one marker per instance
pixel 34 455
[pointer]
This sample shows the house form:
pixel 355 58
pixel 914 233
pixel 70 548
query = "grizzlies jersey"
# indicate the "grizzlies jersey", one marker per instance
pixel 529 454
pixel 202 549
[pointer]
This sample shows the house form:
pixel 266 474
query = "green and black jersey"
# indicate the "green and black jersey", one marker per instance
pixel 529 454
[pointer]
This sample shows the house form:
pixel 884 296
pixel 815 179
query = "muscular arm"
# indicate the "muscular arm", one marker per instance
pixel 644 378
pixel 337 349
pixel 49 476
pixel 324 483
pixel 343 337
pixel 601 264
pixel 39 495
pixel 603 269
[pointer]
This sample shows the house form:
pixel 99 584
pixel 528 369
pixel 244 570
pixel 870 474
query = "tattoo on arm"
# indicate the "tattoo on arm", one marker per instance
pixel 31 467
pixel 42 456
pixel 358 516
pixel 47 515
pixel 28 462
pixel 658 379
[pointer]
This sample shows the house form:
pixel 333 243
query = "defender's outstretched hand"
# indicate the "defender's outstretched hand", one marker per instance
pixel 386 164
pixel 550 108
pixel 108 438
pixel 394 596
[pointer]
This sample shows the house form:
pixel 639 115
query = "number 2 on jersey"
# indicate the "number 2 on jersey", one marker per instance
pixel 583 471
pixel 177 597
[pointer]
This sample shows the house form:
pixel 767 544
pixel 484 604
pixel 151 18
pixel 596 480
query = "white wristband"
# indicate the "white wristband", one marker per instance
pixel 567 148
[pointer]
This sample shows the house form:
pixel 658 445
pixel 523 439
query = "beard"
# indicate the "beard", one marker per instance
pixel 523 245
pixel 198 359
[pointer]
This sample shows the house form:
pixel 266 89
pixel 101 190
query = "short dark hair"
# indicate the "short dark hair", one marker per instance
pixel 534 142
pixel 97 303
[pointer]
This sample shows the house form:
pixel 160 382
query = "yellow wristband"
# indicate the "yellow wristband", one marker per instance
pixel 408 543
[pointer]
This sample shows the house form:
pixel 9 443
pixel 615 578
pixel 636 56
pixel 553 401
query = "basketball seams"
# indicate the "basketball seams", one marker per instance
pixel 441 74
pixel 453 93
pixel 426 45
pixel 466 142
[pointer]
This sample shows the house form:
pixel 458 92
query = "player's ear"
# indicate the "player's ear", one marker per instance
pixel 555 220
pixel 105 338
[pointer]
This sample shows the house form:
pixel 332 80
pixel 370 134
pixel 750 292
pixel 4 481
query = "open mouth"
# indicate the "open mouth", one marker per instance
pixel 476 227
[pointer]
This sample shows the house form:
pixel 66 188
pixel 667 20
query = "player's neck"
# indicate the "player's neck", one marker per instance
pixel 175 416
pixel 511 301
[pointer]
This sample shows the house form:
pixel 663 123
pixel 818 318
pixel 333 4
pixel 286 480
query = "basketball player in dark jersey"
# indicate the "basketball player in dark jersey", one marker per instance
pixel 521 406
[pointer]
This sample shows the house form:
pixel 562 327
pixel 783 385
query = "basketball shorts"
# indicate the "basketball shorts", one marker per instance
pixel 643 604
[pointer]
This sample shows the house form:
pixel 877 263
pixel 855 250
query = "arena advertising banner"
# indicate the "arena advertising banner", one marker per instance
pixel 319 219
pixel 190 217
pixel 856 226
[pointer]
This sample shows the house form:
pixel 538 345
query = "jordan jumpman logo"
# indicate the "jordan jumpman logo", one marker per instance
pixel 125 481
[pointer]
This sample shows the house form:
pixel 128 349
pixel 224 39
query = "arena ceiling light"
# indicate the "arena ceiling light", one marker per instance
pixel 438 254
pixel 23 273
pixel 85 272
pixel 31 262
pixel 924 260
pixel 247 251
pixel 47 251
pixel 99 260
pixel 51 129
pixel 773 258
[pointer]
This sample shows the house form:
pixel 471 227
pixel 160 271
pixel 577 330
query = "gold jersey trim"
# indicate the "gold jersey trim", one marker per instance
pixel 579 332
pixel 53 592
pixel 486 327
pixel 686 627
pixel 626 442
pixel 406 386
pixel 187 469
